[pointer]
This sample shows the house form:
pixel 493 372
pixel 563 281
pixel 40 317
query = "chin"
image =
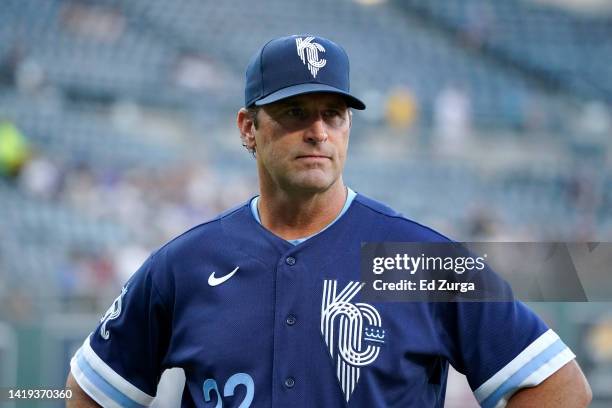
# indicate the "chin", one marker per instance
pixel 313 183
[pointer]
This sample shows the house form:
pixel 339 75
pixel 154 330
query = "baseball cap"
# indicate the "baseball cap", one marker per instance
pixel 297 65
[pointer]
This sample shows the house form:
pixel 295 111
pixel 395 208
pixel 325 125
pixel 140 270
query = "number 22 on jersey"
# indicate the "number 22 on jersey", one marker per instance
pixel 210 385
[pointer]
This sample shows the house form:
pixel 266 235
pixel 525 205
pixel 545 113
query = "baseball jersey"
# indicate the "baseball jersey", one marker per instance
pixel 256 321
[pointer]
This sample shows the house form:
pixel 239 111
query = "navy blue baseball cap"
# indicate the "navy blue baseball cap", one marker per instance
pixel 297 65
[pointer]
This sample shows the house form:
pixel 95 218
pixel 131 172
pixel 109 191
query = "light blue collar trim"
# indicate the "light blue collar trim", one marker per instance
pixel 349 199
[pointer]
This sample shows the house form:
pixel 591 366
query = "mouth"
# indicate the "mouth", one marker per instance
pixel 313 157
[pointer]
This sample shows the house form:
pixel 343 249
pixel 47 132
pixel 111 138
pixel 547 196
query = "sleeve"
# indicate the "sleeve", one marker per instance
pixel 501 347
pixel 120 362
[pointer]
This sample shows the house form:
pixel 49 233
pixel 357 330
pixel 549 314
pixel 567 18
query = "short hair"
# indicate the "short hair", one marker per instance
pixel 252 111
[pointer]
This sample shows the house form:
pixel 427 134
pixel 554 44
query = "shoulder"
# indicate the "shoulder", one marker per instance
pixel 184 254
pixel 214 230
pixel 397 226
pixel 194 245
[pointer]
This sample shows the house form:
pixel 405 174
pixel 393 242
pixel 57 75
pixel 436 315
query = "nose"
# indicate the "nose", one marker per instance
pixel 316 131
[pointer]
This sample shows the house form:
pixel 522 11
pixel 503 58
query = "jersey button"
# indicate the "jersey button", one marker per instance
pixel 289 382
pixel 290 260
pixel 290 320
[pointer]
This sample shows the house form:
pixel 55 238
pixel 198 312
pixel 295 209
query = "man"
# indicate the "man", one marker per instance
pixel 250 304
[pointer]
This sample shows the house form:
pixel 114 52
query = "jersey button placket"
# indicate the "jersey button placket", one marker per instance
pixel 287 339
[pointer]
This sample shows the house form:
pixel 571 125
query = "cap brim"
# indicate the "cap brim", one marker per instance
pixel 302 89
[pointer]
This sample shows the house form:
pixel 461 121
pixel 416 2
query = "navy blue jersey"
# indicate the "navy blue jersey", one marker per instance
pixel 257 322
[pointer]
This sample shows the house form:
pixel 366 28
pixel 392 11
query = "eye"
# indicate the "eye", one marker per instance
pixel 335 117
pixel 332 113
pixel 295 112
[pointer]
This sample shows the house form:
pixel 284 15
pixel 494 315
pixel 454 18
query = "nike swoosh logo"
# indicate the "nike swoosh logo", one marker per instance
pixel 213 281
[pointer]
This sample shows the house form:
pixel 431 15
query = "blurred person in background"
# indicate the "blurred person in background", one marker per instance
pixel 401 109
pixel 14 150
pixel 452 118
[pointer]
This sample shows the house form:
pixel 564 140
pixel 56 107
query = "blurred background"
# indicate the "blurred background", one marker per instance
pixel 487 120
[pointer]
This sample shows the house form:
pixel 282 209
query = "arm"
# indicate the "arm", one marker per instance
pixel 120 361
pixel 79 398
pixel 567 387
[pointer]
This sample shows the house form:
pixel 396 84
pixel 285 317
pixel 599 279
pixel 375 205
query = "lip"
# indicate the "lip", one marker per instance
pixel 313 157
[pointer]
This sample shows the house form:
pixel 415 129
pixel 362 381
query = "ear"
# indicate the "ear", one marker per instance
pixel 246 128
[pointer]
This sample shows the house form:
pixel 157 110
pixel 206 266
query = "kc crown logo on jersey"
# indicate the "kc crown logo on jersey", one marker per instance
pixel 112 313
pixel 352 331
pixel 312 54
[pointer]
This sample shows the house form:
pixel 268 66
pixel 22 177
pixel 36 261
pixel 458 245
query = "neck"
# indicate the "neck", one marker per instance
pixel 292 215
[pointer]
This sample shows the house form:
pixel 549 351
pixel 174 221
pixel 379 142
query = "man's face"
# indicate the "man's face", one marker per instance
pixel 301 142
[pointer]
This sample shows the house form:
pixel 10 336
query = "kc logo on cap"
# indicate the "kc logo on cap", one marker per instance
pixel 296 65
pixel 312 54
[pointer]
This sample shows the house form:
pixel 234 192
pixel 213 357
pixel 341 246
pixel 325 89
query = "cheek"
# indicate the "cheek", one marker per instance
pixel 342 147
pixel 274 154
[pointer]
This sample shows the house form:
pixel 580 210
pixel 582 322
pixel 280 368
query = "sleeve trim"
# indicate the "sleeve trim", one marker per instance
pixel 534 363
pixel 541 374
pixel 549 368
pixel 89 388
pixel 99 368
